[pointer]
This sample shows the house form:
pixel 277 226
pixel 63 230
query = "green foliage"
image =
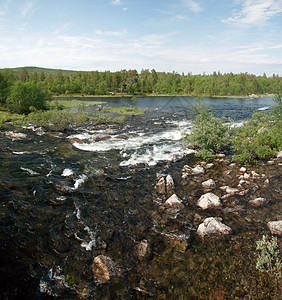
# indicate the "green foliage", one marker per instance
pixel 269 258
pixel 259 137
pixel 127 110
pixel 6 81
pixel 54 120
pixel 209 134
pixel 63 82
pixel 26 97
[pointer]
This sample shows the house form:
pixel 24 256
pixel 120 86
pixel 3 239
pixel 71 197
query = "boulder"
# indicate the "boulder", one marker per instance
pixel 213 226
pixel 101 137
pixel 105 269
pixel 169 184
pixel 243 169
pixel 275 227
pixel 209 200
pixel 160 186
pixel 197 170
pixel 174 201
pixel 208 184
pixel 142 250
pixel 258 202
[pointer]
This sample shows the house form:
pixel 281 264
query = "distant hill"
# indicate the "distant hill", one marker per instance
pixel 31 69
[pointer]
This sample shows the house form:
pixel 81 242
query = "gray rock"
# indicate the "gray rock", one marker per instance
pixel 209 200
pixel 198 170
pixel 208 184
pixel 213 226
pixel 275 227
pixel 174 201
pixel 169 184
pixel 18 135
pixel 231 190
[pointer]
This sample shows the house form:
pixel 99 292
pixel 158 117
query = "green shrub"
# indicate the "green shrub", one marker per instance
pixel 26 97
pixel 269 259
pixel 209 134
pixel 258 138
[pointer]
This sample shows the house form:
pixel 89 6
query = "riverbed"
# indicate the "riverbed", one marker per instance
pixel 69 197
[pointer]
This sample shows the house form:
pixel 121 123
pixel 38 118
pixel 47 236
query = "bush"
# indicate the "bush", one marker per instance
pixel 259 137
pixel 209 134
pixel 26 97
pixel 269 260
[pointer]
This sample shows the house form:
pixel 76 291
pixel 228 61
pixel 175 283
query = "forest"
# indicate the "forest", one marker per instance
pixel 146 82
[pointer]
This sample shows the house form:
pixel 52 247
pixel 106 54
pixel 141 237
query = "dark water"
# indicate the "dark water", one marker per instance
pixel 63 202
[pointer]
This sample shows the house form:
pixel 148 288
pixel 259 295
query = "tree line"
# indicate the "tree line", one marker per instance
pixel 132 82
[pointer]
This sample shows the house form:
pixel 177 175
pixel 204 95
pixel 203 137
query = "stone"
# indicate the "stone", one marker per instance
pixel 254 174
pixel 160 186
pixel 169 184
pixel 275 227
pixel 243 169
pixel 213 226
pixel 258 202
pixel 210 165
pixel 18 135
pixel 208 184
pixel 198 170
pixel 279 154
pixel 231 190
pixel 105 269
pixel 247 176
pixel 142 250
pixel 209 200
pixel 174 201
pixel 101 137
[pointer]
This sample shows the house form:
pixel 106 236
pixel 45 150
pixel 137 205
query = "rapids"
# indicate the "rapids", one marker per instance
pixel 68 197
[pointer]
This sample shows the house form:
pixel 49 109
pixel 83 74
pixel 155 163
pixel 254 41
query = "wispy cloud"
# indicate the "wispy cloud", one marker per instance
pixel 193 5
pixel 110 33
pixel 116 2
pixel 28 9
pixel 255 12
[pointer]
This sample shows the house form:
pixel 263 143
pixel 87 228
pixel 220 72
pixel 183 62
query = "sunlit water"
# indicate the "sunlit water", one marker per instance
pixel 67 198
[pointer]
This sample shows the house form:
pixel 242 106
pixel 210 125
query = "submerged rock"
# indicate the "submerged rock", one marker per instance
pixel 209 200
pixel 105 269
pixel 275 227
pixel 142 250
pixel 179 242
pixel 258 202
pixel 174 201
pixel 213 226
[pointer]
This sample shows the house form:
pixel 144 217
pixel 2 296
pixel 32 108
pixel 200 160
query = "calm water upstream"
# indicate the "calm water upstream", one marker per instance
pixel 66 198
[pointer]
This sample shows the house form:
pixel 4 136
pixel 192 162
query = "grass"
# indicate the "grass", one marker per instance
pixel 126 110
pixel 66 104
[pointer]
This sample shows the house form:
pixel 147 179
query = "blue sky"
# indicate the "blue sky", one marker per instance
pixel 167 35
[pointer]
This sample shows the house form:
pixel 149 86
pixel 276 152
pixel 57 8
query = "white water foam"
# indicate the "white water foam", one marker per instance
pixel 92 243
pixel 263 108
pixel 31 172
pixel 146 148
pixel 82 178
pixel 67 172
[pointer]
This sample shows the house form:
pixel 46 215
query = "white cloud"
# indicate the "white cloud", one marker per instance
pixel 116 2
pixel 110 33
pixel 255 12
pixel 193 5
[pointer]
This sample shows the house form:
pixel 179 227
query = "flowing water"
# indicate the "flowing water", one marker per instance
pixel 68 197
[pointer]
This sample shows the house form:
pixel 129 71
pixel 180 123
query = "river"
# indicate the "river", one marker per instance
pixel 68 197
